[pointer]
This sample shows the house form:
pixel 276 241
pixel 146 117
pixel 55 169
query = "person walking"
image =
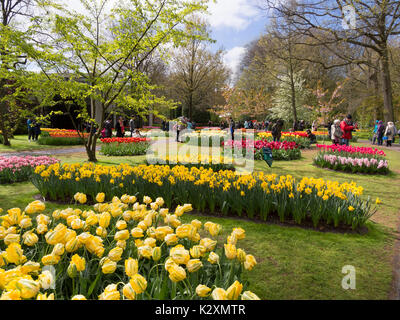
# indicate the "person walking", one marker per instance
pixel 36 131
pixel 108 129
pixel 380 132
pixel 347 127
pixel 277 130
pixel 132 126
pixel 375 133
pixel 120 128
pixel 314 126
pixel 390 133
pixel 336 132
pixel 232 128
pixel 30 129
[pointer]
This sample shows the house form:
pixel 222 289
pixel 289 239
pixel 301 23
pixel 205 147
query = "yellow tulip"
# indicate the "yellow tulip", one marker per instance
pixel 15 254
pixel 72 245
pixel 138 283
pixel 28 288
pixel 145 252
pixel 241 255
pixel 219 294
pixel 131 267
pixel 30 238
pixel 171 239
pixel 44 296
pixel 248 295
pixel 100 197
pixel 104 220
pixel 58 249
pixel 128 292
pixel 250 262
pixel 122 235
pixel 176 273
pixel 79 262
pixel 203 291
pixel 108 266
pixel 230 251
pixel 78 297
pixel 121 225
pixel 179 254
pixel 137 233
pixel 213 258
pixel 156 254
pixel 234 291
pixel 46 280
pixel 11 238
pixel 194 265
pixel 115 254
pixel 50 259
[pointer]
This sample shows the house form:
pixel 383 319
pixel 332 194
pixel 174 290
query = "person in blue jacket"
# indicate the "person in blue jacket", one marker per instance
pixel 375 137
pixel 30 129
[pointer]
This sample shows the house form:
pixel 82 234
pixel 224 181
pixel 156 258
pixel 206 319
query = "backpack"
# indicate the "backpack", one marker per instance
pixel 338 132
pixel 389 132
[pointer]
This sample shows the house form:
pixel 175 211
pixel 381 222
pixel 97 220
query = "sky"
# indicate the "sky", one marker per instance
pixel 234 24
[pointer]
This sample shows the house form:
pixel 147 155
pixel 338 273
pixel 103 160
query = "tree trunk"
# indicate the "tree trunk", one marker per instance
pixel 292 84
pixel 91 147
pixel 3 128
pixel 387 87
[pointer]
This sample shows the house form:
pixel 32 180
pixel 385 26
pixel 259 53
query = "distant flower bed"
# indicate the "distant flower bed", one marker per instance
pixel 352 159
pixel 124 140
pixel 125 146
pixel 300 138
pixel 280 150
pixel 18 169
pixel 64 133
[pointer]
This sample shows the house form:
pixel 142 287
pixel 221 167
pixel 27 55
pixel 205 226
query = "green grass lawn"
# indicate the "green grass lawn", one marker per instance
pixel 296 263
pixel 21 143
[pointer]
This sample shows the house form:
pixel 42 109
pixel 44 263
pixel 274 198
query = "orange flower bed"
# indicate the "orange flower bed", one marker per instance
pixel 64 133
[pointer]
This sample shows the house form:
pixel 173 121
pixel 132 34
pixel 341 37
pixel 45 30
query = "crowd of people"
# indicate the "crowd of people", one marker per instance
pixel 384 132
pixel 341 132
pixel 121 129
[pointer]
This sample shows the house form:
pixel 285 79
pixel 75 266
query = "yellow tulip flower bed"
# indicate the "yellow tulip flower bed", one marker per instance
pixel 255 196
pixel 118 250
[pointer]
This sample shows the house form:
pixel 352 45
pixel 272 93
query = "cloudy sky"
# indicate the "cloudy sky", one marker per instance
pixel 234 24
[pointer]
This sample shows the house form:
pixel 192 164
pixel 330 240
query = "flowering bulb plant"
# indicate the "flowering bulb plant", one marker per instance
pixel 64 133
pixel 18 169
pixel 351 151
pixel 351 164
pixel 256 195
pixel 280 150
pixel 125 146
pixel 122 250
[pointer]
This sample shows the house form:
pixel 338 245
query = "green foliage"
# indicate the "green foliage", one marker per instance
pixel 52 141
pixel 124 149
pixel 104 54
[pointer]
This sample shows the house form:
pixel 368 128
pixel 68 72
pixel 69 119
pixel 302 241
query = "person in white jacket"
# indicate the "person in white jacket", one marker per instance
pixel 390 133
pixel 336 132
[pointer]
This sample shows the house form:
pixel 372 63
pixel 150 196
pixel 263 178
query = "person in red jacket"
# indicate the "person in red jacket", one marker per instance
pixel 347 127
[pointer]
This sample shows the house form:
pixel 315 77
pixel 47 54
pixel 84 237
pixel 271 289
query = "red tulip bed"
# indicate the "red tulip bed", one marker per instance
pixel 352 159
pixel 124 146
pixel 280 150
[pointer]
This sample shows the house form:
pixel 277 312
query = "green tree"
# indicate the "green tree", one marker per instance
pixel 94 59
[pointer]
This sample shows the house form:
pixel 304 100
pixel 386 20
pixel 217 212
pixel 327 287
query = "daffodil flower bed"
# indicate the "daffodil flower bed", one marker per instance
pixel 121 250
pixel 199 160
pixel 256 196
